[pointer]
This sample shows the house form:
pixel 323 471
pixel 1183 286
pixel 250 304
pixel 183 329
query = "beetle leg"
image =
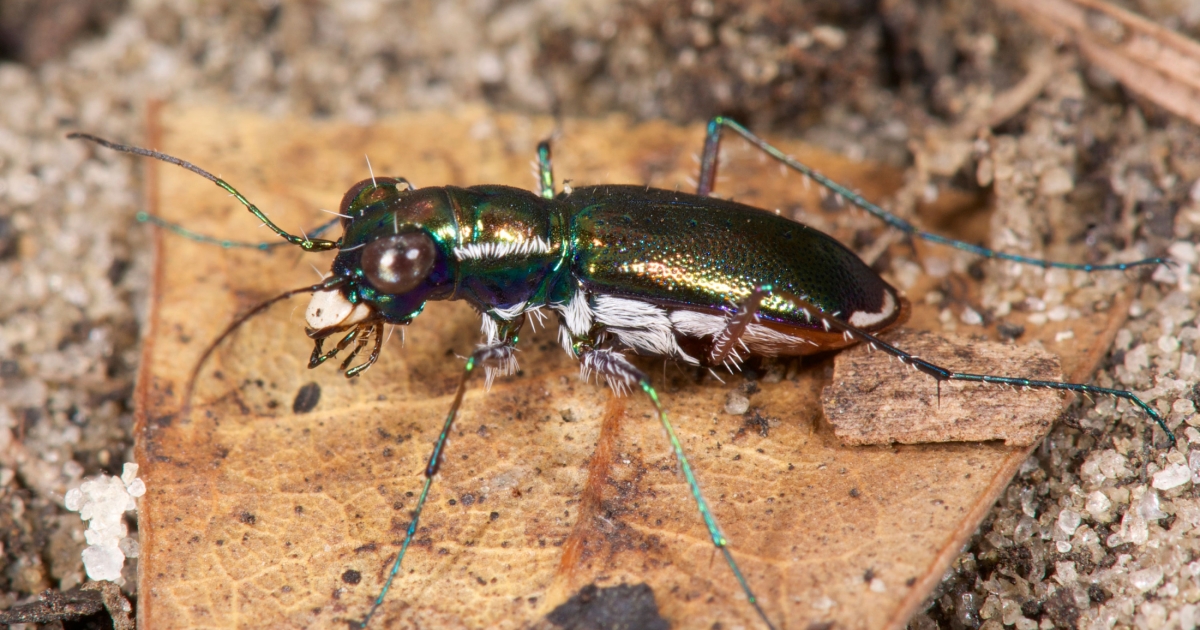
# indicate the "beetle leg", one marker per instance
pixel 501 331
pixel 708 179
pixel 545 174
pixel 939 373
pixel 725 342
pixel 622 374
pixel 489 356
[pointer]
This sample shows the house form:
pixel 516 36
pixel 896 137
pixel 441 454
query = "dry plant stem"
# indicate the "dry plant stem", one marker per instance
pixel 114 602
pixel 1155 63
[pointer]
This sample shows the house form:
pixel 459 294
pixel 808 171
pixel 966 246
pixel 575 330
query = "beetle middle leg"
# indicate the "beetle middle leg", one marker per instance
pixel 622 374
pixel 545 173
pixel 748 312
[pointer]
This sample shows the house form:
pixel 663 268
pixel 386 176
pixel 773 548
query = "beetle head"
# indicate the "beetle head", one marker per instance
pixel 394 256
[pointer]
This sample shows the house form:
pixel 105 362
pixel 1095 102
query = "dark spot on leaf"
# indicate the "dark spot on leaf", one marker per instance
pixel 621 606
pixel 307 398
pixel 351 576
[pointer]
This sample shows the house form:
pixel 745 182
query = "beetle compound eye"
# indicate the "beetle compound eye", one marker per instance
pixel 397 264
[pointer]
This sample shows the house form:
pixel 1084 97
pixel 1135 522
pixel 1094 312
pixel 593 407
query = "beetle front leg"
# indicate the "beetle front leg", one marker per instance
pixel 491 356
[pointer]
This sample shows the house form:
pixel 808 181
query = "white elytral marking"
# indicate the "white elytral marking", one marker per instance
pixel 480 251
pixel 865 320
pixel 640 325
pixel 330 308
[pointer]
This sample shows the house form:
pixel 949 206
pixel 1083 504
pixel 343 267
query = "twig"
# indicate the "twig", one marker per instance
pixel 1151 61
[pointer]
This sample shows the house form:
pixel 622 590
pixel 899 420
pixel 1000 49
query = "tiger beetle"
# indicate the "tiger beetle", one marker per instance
pixel 703 281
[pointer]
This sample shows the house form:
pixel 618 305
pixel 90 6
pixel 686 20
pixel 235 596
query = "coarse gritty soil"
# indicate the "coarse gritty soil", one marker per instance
pixel 1091 533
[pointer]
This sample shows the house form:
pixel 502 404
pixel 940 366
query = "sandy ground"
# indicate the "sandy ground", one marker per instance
pixel 1099 529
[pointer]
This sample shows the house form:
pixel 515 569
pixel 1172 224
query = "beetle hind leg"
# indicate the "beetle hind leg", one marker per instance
pixel 834 323
pixel 708 177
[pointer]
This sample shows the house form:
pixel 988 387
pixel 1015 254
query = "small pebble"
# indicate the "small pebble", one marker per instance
pixel 1146 579
pixel 1068 521
pixel 737 402
pixel 1172 476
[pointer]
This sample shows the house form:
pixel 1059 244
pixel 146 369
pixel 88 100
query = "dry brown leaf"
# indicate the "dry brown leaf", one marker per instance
pixel 257 516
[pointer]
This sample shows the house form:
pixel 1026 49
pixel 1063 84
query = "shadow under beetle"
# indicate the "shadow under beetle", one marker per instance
pixel 689 277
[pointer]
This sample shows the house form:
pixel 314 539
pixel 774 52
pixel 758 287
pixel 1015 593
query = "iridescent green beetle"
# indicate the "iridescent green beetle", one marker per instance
pixel 661 273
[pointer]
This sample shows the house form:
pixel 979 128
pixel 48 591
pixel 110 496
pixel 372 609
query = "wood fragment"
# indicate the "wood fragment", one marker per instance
pixel 873 400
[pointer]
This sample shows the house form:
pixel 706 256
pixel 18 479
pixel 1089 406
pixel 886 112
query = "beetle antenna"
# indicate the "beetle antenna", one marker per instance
pixel 305 243
pixel 237 323
pixel 157 221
